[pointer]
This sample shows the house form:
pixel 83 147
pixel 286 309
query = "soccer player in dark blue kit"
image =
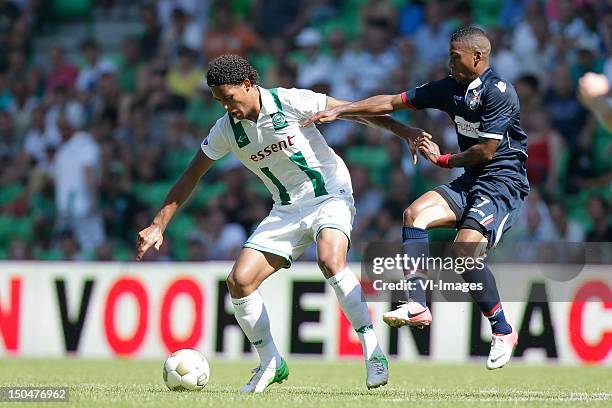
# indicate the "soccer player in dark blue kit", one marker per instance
pixel 485 200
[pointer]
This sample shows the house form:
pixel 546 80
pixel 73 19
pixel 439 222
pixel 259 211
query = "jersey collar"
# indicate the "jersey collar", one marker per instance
pixel 478 81
pixel 268 106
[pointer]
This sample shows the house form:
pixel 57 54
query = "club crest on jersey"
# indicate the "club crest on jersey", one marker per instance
pixel 279 121
pixel 474 99
pixel 501 85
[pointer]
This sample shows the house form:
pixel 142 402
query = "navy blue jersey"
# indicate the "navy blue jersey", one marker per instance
pixel 488 108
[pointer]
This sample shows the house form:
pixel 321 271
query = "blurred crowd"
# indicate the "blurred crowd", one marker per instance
pixel 92 137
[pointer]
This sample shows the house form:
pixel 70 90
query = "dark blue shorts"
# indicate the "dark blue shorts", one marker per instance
pixel 488 206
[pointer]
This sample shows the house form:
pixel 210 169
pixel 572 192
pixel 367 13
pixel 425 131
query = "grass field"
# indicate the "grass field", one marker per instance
pixel 130 383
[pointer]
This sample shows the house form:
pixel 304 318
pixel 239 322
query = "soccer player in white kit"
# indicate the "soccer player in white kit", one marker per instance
pixel 313 202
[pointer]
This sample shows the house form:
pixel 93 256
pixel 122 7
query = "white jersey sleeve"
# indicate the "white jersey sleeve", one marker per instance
pixel 216 144
pixel 305 102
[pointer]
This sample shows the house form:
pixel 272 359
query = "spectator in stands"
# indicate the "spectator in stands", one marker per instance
pixel 182 32
pixel 149 41
pixel 566 113
pixel 223 239
pixel 184 78
pixel 314 66
pixel 374 61
pixel 587 60
pixel 289 17
pixel 601 223
pixel 75 172
pixel 566 229
pixel 379 13
pixel 61 101
pixel 94 67
pixel 118 204
pixel 19 250
pixel 61 73
pixel 141 143
pixel 9 14
pixel 228 34
pixel 431 39
pixel 39 138
pixel 368 202
pixel 545 148
pixel 130 65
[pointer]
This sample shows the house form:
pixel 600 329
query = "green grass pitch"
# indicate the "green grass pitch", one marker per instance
pixel 130 383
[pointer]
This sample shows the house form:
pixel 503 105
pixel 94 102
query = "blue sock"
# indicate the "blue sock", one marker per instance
pixel 488 299
pixel 415 245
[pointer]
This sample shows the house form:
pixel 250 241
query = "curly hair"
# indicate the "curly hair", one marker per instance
pixel 230 69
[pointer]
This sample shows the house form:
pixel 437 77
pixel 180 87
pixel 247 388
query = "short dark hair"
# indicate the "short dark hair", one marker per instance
pixel 230 69
pixel 467 33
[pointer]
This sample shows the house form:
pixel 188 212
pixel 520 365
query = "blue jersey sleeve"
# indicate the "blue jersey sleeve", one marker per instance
pixel 499 103
pixel 430 95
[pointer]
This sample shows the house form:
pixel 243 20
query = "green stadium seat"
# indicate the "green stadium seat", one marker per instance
pixel 122 252
pixel 373 158
pixel 602 150
pixel 177 162
pixel 152 194
pixel 178 231
pixel 71 9
pixel 204 193
pixel 51 254
pixel 13 227
pixel 10 192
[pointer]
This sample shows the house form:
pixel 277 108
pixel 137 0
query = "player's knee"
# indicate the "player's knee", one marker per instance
pixel 470 247
pixel 239 284
pixel 461 250
pixel 331 264
pixel 410 214
pixel 469 250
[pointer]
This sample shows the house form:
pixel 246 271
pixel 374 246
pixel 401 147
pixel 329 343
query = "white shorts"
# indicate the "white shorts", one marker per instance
pixel 290 229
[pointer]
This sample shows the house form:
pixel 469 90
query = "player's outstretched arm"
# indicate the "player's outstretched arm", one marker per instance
pixel 153 235
pixel 481 152
pixel 409 134
pixel 373 106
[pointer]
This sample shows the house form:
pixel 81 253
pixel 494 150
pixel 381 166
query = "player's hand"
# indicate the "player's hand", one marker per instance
pixel 412 136
pixel 592 86
pixel 429 149
pixel 148 237
pixel 320 117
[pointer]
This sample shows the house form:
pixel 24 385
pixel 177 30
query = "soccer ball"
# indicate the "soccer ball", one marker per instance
pixel 186 370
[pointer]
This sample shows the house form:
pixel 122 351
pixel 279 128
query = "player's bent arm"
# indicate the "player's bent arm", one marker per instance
pixel 480 153
pixel 182 189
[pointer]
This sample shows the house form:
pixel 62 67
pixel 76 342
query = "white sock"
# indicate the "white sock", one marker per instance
pixel 350 296
pixel 252 317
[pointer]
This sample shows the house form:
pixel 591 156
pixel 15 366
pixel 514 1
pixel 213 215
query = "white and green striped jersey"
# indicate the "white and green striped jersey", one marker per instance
pixel 294 163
